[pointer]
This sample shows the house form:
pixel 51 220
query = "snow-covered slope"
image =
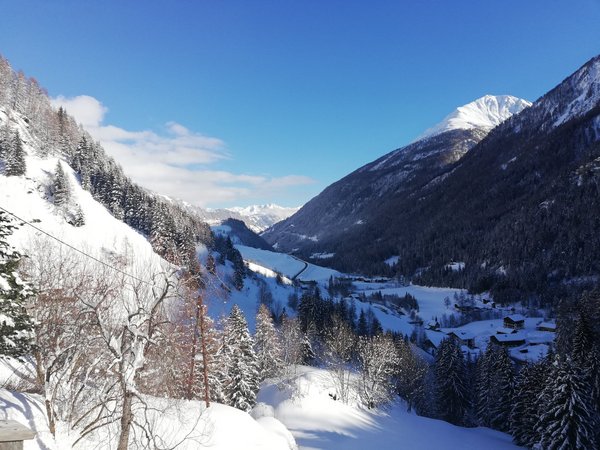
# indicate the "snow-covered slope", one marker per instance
pixel 102 234
pixel 260 217
pixel 302 402
pixel 346 206
pixel 180 424
pixel 486 112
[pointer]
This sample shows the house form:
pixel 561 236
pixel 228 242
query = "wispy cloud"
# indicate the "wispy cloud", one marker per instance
pixel 176 161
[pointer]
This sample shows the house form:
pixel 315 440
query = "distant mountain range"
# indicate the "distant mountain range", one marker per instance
pixel 508 189
pixel 256 217
pixel 260 217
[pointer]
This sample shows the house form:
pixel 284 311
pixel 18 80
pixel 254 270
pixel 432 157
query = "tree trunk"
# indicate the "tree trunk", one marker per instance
pixel 43 380
pixel 126 419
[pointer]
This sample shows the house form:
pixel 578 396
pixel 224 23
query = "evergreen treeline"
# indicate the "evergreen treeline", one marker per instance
pixel 553 403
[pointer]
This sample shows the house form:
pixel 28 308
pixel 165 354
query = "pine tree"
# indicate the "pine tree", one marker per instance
pixel 15 157
pixel 451 391
pixel 482 387
pixel 267 345
pixel 362 328
pixel 241 385
pixel 210 264
pixel 501 390
pixel 61 190
pixel 568 421
pixel 239 270
pixel 16 325
pixel 524 415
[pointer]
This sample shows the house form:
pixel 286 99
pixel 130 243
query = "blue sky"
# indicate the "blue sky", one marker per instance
pixel 274 100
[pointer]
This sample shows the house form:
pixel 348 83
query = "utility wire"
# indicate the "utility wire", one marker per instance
pixel 66 244
pixel 75 248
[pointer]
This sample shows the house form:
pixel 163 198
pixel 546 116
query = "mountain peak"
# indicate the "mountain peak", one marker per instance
pixel 486 112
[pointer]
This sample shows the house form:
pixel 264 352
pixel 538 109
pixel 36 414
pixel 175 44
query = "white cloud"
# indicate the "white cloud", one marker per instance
pixel 175 162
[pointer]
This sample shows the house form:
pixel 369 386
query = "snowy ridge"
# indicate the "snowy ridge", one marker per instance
pixel 260 217
pixel 486 112
pixel 585 83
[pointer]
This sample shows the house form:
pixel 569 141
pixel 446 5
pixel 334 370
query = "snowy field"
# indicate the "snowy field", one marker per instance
pixel 431 302
pixel 302 403
pixel 287 265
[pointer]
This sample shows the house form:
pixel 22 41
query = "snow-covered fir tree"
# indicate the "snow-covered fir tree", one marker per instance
pixel 267 345
pixel 525 413
pixel 61 191
pixel 451 390
pixel 14 156
pixel 15 323
pixel 568 420
pixel 501 388
pixel 242 382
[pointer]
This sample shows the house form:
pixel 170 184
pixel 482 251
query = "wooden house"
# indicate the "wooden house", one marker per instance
pixel 547 326
pixel 433 325
pixel 464 338
pixel 508 340
pixel 514 321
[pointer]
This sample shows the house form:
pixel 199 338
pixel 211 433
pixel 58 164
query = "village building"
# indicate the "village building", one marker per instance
pixel 547 326
pixel 432 341
pixel 514 321
pixel 433 325
pixel 466 338
pixel 508 340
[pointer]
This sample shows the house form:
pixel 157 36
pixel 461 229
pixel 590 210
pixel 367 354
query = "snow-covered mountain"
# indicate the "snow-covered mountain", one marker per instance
pixel 519 207
pixel 350 203
pixel 260 217
pixel 484 113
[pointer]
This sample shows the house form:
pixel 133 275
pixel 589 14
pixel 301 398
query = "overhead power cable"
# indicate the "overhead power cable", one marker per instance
pixel 66 244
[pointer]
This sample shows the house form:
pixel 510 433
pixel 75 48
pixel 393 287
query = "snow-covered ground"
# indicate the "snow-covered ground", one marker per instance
pixel 302 403
pixel 536 342
pixel 180 424
pixel 102 234
pixel 431 302
pixel 287 265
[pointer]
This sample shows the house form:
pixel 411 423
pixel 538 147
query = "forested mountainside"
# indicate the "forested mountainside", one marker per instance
pixel 173 229
pixel 349 203
pixel 520 209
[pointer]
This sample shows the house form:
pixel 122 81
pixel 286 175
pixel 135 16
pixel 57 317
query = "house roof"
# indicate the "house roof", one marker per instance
pixel 465 335
pixel 515 337
pixel 504 330
pixel 534 353
pixel 549 325
pixel 515 318
pixel 435 337
pixel 540 337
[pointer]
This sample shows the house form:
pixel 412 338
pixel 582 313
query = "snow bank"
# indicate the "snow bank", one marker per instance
pixel 185 425
pixel 302 402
